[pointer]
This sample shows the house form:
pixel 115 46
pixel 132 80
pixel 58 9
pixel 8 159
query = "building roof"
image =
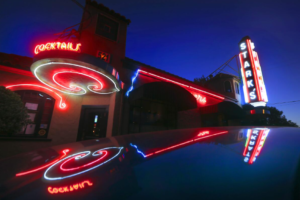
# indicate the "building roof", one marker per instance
pixel 107 10
pixel 16 61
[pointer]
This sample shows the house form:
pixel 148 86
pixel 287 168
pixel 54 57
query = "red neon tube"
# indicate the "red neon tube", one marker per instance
pixel 255 148
pixel 181 84
pixel 254 70
pixel 65 151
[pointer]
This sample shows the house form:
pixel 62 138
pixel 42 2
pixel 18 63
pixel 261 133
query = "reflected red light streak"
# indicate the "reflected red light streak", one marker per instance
pixel 69 188
pixel 202 135
pixel 61 104
pixel 187 86
pixel 65 151
pixel 86 165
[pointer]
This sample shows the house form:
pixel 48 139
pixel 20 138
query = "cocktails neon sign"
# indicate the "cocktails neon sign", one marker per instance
pixel 254 86
pixel 57 46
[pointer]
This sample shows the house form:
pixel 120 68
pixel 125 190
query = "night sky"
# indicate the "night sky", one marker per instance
pixel 189 38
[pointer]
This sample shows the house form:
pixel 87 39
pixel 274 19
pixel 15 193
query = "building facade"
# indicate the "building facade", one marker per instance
pixel 86 88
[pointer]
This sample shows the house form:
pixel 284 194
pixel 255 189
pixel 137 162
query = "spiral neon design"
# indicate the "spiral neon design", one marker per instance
pixel 83 168
pixel 62 105
pixel 76 69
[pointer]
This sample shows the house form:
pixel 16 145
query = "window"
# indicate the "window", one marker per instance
pixel 237 88
pixel 39 107
pixel 107 27
pixel 227 86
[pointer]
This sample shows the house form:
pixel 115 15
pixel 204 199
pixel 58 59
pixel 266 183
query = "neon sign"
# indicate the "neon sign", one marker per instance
pixel 69 188
pixel 254 88
pixel 57 46
pixel 48 74
pixel 103 156
pixel 62 104
pixel 199 98
pixel 255 141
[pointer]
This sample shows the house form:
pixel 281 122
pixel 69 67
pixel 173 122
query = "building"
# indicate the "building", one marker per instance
pixel 86 88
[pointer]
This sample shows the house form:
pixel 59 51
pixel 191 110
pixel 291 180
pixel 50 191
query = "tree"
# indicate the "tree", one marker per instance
pixel 13 114
pixel 277 118
pixel 200 81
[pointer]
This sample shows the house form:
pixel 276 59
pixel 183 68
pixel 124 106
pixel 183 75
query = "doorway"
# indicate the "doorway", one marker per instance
pixel 93 122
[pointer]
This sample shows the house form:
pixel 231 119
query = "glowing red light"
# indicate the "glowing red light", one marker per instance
pixel 65 151
pixel 69 188
pixel 183 85
pixel 57 46
pixel 86 165
pixel 200 136
pixel 62 105
pixel 252 112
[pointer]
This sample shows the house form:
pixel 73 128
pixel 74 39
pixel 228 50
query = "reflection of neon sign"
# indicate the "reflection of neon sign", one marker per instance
pixel 200 136
pixel 56 46
pixel 44 166
pixel 80 168
pixel 61 104
pixel 70 188
pixel 255 141
pixel 254 87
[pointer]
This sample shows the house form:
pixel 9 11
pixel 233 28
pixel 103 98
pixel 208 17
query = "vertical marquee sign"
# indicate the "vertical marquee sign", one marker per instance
pixel 254 87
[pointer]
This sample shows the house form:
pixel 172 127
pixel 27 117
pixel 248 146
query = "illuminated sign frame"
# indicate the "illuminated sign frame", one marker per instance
pixel 254 87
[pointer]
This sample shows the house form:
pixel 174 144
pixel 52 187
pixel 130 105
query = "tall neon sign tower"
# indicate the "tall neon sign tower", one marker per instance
pixel 254 87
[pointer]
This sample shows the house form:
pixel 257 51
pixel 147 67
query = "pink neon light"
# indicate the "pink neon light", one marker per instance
pixel 255 148
pixel 180 84
pixel 56 46
pixel 253 69
pixel 244 77
pixel 65 151
pixel 70 188
pixel 88 164
pixel 95 87
pixel 189 141
pixel 61 104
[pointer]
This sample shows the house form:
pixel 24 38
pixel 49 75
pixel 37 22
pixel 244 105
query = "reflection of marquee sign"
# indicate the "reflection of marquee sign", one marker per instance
pixel 254 87
pixel 255 141
pixel 81 162
pixel 74 77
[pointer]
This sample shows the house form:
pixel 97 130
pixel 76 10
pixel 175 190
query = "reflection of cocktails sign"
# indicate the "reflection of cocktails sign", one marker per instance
pixel 254 143
pixel 57 46
pixel 254 86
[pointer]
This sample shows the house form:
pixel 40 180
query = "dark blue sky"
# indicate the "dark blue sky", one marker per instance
pixel 189 38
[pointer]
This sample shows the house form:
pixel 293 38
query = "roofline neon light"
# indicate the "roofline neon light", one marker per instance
pixel 84 152
pixel 62 63
pixel 88 164
pixel 65 151
pixel 70 188
pixel 169 80
pixel 183 143
pixel 56 46
pixel 61 104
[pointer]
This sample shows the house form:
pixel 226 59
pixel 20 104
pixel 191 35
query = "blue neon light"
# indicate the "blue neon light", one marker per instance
pixel 138 150
pixel 85 154
pixel 132 81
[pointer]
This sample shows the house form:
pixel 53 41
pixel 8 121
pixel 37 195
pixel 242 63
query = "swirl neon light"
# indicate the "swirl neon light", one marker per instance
pixel 65 151
pixel 70 188
pixel 62 105
pixel 81 155
pixel 73 87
